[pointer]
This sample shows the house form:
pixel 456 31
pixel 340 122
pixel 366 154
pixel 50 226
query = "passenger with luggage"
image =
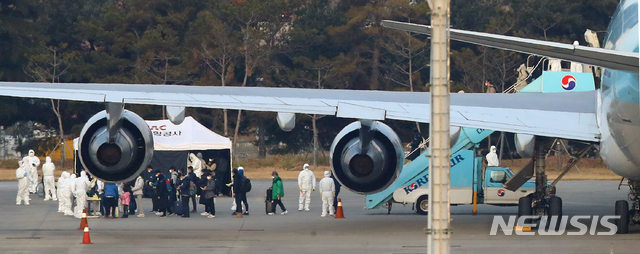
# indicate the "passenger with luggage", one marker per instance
pixel 277 193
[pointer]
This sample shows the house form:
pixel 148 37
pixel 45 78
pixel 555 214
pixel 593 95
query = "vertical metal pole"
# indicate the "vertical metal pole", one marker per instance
pixel 439 213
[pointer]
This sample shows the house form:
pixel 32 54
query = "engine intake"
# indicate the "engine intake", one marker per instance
pixel 366 156
pixel 125 156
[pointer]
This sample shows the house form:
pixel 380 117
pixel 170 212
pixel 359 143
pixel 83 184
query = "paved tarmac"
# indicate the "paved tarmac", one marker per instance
pixel 38 228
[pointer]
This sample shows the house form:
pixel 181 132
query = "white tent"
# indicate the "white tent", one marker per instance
pixel 190 135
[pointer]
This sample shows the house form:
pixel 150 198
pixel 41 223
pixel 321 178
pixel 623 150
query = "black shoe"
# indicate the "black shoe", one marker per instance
pixel 245 213
pixel 234 213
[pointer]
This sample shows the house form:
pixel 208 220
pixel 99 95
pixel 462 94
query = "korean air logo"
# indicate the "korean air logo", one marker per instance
pixel 500 193
pixel 568 82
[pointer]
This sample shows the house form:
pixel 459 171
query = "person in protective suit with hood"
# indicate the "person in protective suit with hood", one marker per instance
pixel 23 192
pixel 328 192
pixel 69 189
pixel 31 164
pixel 306 183
pixel 196 163
pixel 49 182
pixel 82 185
pixel 61 201
pixel 492 158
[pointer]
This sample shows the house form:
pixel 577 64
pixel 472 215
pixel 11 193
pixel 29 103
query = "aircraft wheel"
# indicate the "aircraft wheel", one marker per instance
pixel 555 209
pixel 622 210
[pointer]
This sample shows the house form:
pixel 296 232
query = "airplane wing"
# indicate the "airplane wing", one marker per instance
pixel 564 115
pixel 614 59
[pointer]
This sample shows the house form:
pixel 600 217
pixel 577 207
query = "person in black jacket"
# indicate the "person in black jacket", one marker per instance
pixel 238 192
pixel 193 178
pixel 162 194
pixel 184 185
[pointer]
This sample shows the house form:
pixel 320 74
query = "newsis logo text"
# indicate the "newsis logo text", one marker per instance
pixel 584 224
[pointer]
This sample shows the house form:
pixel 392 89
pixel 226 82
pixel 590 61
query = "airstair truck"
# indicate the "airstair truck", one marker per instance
pixel 467 178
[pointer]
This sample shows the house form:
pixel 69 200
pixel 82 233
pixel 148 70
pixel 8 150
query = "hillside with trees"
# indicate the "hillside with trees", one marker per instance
pixel 323 44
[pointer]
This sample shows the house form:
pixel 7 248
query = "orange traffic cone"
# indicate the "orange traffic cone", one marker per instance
pixel 339 212
pixel 83 221
pixel 86 239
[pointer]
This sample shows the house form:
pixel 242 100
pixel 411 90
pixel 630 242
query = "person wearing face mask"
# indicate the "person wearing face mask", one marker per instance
pixel 327 191
pixel 61 200
pixel 306 183
pixel 492 158
pixel 209 192
pixel 69 189
pixel 23 193
pixel 82 185
pixel 31 164
pixel 49 183
pixel 277 193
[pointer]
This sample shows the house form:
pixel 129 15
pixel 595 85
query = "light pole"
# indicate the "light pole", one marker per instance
pixel 439 230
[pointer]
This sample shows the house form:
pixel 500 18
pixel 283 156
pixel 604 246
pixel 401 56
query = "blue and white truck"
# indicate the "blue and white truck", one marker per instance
pixel 467 180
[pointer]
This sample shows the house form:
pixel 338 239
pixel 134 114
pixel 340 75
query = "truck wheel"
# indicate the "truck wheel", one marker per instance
pixel 422 205
pixel 622 210
pixel 555 209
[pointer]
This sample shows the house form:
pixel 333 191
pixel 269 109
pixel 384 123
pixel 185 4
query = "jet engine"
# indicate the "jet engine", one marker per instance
pixel 366 156
pixel 115 147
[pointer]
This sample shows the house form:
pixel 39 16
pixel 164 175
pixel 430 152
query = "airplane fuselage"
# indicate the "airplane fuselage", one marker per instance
pixel 619 106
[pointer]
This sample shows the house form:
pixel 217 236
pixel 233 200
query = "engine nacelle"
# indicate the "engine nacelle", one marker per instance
pixel 125 157
pixel 366 156
pixel 525 144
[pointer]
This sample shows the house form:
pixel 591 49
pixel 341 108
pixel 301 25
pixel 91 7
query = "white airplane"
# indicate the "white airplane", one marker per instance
pixel 366 156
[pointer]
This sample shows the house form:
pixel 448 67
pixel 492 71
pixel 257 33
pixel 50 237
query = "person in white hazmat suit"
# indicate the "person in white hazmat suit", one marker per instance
pixel 196 163
pixel 82 185
pixel 69 189
pixel 328 191
pixel 492 158
pixel 306 183
pixel 31 163
pixel 61 200
pixel 23 192
pixel 49 181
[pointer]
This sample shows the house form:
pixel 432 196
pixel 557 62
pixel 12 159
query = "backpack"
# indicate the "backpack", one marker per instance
pixel 168 186
pixel 247 184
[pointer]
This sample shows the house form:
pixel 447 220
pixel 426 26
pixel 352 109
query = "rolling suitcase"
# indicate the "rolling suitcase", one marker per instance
pixel 268 205
pixel 178 209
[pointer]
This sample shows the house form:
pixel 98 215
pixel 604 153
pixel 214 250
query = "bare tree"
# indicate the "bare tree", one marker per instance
pixel 48 68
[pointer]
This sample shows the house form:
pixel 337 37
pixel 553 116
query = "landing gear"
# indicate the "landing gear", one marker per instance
pixel 543 202
pixel 628 216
